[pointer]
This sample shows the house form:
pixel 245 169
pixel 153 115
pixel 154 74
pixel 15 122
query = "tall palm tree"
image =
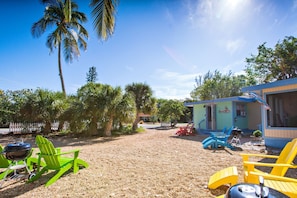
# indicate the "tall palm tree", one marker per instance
pixel 68 33
pixel 144 101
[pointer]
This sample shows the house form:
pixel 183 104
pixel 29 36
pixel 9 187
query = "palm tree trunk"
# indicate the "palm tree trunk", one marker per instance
pixel 60 70
pixel 93 127
pixel 135 123
pixel 108 127
pixel 47 128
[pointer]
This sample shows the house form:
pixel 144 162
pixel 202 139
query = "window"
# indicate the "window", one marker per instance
pixel 240 110
pixel 283 109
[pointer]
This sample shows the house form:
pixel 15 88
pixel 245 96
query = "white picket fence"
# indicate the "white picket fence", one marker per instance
pixel 18 128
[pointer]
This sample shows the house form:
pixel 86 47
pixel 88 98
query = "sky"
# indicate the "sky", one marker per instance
pixel 163 43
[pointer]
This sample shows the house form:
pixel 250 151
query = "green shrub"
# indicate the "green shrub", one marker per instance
pixel 257 133
pixel 140 129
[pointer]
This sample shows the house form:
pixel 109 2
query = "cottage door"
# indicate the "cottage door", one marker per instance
pixel 211 117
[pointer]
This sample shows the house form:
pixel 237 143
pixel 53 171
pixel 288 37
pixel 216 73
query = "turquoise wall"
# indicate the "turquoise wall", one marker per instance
pixel 241 121
pixel 224 114
pixel 199 116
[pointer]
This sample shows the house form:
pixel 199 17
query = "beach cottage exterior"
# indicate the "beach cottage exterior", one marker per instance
pixel 214 115
pixel 270 107
pixel 279 124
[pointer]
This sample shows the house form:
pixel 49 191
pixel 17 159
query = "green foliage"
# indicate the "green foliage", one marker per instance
pixel 104 17
pixel 273 64
pixel 140 129
pixel 92 75
pixel 257 133
pixel 170 110
pixel 144 101
pixel 216 85
pixel 100 106
pixel 43 106
pixel 10 105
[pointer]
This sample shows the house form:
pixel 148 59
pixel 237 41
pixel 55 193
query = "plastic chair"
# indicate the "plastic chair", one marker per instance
pixel 286 185
pixel 55 160
pixel 4 163
pixel 187 130
pixel 279 168
pixel 218 139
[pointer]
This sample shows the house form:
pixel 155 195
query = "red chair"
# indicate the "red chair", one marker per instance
pixel 187 130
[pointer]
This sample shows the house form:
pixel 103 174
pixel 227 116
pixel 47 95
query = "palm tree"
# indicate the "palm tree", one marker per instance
pixel 43 105
pixel 103 104
pixel 144 101
pixel 68 34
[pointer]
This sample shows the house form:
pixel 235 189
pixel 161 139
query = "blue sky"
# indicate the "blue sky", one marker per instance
pixel 163 43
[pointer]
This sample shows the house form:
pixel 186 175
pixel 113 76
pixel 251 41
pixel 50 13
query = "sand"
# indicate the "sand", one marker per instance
pixel 155 163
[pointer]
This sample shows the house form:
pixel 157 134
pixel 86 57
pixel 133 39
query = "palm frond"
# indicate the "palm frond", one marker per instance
pixel 53 40
pixel 104 12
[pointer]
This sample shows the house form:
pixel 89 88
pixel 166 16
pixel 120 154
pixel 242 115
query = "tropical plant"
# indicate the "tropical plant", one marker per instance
pixel 273 64
pixel 144 101
pixel 217 85
pixel 170 110
pixel 11 103
pixel 74 115
pixel 43 106
pixel 68 34
pixel 5 110
pixel 91 107
pixel 257 133
pixel 125 112
pixel 102 104
pixel 116 107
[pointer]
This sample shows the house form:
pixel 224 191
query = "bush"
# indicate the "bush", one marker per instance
pixel 257 133
pixel 140 130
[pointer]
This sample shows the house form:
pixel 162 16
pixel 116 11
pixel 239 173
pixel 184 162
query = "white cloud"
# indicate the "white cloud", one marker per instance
pixel 172 85
pixel 214 14
pixel 233 45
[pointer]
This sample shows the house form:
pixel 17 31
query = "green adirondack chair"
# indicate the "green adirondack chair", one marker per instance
pixel 4 163
pixel 54 160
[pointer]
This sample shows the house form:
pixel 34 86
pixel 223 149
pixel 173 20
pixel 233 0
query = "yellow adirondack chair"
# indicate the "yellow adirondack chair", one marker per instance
pixel 225 176
pixel 286 185
pixel 279 168
pixel 55 160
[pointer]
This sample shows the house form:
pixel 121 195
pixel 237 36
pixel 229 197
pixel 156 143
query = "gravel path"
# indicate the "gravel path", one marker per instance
pixel 155 163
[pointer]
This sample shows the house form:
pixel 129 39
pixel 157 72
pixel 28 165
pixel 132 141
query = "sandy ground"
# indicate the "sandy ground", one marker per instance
pixel 155 163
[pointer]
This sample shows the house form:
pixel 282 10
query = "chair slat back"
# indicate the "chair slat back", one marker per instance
pixel 48 152
pixel 4 163
pixel 286 156
pixel 228 133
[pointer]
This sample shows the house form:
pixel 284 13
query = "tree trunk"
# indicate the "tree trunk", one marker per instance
pixel 93 127
pixel 61 124
pixel 108 127
pixel 135 123
pixel 60 70
pixel 47 128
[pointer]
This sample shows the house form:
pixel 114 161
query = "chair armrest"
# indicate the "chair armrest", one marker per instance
pixel 75 152
pixel 251 165
pixel 245 156
pixel 273 177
